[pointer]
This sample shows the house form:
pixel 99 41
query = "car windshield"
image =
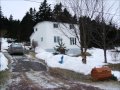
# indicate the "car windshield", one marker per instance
pixel 16 45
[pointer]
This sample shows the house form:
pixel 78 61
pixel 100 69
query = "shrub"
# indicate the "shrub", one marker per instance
pixel 113 77
pixel 4 75
pixel 60 48
pixel 34 44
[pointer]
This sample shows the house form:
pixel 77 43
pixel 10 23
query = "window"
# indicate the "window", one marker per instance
pixel 57 39
pixel 55 25
pixel 35 29
pixel 72 41
pixel 41 39
pixel 71 26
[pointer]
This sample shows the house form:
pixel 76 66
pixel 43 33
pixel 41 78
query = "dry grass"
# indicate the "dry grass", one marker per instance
pixel 69 75
pixel 114 66
pixel 87 54
pixel 81 54
pixel 4 75
pixel 32 54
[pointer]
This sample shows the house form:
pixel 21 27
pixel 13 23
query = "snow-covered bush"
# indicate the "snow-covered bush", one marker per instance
pixel 60 48
pixel 113 77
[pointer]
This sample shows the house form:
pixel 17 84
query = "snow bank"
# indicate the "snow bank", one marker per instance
pixel 3 59
pixel 117 74
pixel 42 54
pixel 75 63
pixel 3 62
pixel 70 63
pixel 4 45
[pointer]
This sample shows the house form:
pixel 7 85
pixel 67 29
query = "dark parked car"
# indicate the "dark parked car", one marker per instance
pixel 16 48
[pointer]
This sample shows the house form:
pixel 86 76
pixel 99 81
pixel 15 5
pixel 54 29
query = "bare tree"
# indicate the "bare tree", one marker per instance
pixel 103 18
pixel 82 8
pixel 90 9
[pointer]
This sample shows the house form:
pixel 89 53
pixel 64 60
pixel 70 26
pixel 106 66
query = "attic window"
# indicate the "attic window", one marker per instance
pixel 55 25
pixel 36 29
pixel 71 26
pixel 41 39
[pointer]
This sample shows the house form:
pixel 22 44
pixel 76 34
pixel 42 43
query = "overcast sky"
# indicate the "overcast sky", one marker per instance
pixel 18 8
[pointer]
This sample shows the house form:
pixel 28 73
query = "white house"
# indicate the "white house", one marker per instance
pixel 47 34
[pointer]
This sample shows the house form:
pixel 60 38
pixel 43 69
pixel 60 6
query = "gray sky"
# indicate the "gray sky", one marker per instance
pixel 18 8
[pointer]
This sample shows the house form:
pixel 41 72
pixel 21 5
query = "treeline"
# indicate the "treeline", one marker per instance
pixel 94 30
pixel 21 30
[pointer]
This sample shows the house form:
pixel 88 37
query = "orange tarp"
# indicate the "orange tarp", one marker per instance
pixel 101 73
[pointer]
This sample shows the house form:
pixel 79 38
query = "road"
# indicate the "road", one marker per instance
pixel 31 74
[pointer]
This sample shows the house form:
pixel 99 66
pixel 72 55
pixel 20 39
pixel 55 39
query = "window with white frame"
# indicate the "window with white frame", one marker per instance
pixel 57 39
pixel 41 39
pixel 55 25
pixel 36 29
pixel 72 41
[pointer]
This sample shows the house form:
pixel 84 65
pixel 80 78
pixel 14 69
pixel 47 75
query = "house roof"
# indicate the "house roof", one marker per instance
pixel 53 22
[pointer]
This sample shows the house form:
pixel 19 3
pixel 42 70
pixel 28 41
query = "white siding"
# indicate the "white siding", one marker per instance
pixel 40 33
pixel 47 31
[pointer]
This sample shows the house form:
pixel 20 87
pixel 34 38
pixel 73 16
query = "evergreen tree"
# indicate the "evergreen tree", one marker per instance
pixel 11 18
pixel 61 15
pixel 1 14
pixel 57 12
pixel 27 24
pixel 34 15
pixel 13 28
pixel 3 22
pixel 66 16
pixel 1 18
pixel 67 13
pixel 32 12
pixel 74 19
pixel 44 13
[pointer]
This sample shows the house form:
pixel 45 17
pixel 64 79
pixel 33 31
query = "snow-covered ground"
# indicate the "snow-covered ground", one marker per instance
pixel 70 63
pixel 4 45
pixel 3 59
pixel 75 63
pixel 3 62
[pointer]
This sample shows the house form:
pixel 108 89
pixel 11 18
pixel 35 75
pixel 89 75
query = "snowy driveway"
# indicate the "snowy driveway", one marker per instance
pixel 22 64
pixel 31 74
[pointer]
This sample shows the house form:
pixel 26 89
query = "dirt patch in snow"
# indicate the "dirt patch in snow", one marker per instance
pixel 19 81
pixel 69 75
pixel 114 66
pixel 84 79
pixel 45 81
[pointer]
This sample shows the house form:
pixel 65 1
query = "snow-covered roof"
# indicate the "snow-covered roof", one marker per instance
pixel 52 22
